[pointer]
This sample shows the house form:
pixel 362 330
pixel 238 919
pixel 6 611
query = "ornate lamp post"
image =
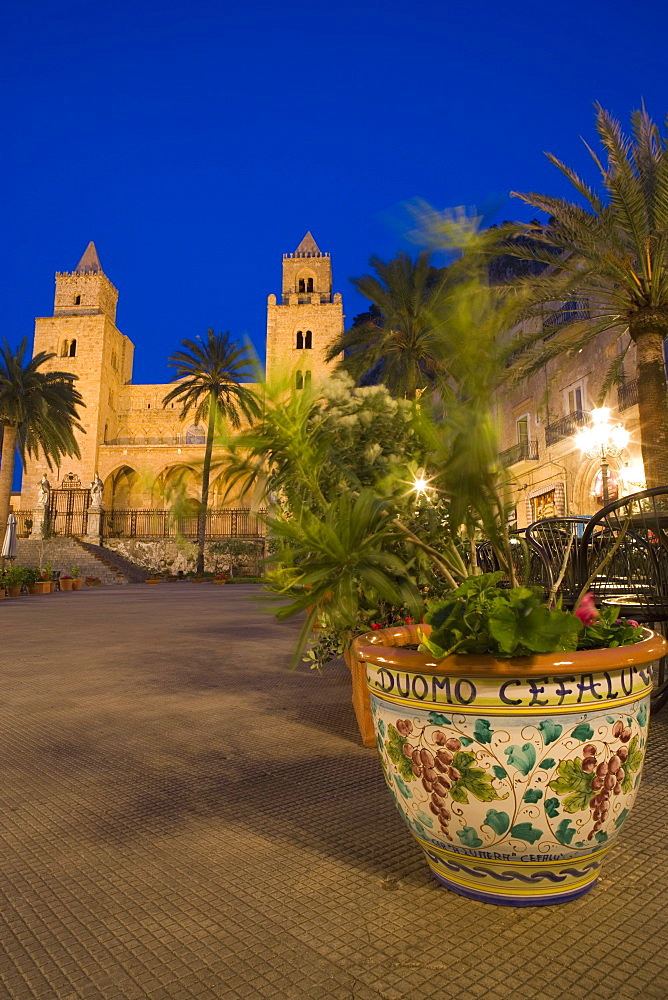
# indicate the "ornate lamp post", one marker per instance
pixel 601 440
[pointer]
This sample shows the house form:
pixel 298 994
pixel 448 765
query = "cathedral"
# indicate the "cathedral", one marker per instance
pixel 139 447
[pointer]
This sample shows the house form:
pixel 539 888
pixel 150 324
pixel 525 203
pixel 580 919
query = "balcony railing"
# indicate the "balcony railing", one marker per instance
pixel 523 451
pixel 225 523
pixel 571 312
pixel 567 426
pixel 627 394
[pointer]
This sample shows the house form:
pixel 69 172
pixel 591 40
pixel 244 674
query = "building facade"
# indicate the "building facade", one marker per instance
pixel 540 418
pixel 140 448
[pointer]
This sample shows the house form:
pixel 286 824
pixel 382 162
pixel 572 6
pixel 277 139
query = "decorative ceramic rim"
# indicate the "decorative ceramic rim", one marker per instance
pixel 390 654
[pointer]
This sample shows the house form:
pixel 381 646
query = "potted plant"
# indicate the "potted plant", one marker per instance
pixel 31 580
pixel 220 579
pixel 153 579
pixel 512 737
pixel 93 581
pixel 14 578
pixel 77 582
pixel 46 579
pixel 66 581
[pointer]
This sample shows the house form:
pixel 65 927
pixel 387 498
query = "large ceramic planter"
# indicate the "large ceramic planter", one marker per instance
pixel 515 776
pixel 77 584
pixel 66 584
pixel 14 591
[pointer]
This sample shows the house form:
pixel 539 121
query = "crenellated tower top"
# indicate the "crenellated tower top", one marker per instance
pixel 85 291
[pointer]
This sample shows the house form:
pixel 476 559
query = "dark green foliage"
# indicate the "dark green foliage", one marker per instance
pixel 480 617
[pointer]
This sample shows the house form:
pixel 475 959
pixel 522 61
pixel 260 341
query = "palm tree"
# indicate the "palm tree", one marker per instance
pixel 38 413
pixel 211 374
pixel 396 341
pixel 613 252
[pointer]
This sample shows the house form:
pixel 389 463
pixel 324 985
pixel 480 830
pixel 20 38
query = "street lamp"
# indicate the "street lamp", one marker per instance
pixel 600 440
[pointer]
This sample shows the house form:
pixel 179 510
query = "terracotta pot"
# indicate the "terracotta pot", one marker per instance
pixel 77 584
pixel 220 582
pixel 503 769
pixel 153 582
pixel 33 588
pixel 13 591
pixel 2 594
pixel 66 584
pixel 361 698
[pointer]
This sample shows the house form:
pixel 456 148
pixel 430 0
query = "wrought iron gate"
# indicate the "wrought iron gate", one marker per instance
pixel 68 512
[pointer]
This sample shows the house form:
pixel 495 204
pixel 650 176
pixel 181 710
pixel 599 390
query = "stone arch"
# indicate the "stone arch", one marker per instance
pixel 584 499
pixel 177 484
pixel 122 489
pixel 305 281
pixel 195 434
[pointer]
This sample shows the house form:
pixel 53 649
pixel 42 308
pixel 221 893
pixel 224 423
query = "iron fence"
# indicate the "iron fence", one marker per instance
pixel 565 427
pixel 523 451
pixel 225 523
pixel 627 394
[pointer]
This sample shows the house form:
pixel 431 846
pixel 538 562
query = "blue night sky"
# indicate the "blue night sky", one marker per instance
pixel 196 142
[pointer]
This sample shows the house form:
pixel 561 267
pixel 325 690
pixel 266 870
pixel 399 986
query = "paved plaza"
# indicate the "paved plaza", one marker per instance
pixel 182 817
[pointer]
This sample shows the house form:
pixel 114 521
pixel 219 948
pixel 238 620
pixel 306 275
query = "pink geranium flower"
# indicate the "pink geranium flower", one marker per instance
pixel 631 621
pixel 587 612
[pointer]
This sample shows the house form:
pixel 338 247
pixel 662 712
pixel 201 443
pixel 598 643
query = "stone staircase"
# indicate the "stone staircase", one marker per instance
pixel 114 561
pixel 92 560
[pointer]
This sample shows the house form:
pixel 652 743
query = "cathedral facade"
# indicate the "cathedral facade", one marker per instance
pixel 139 447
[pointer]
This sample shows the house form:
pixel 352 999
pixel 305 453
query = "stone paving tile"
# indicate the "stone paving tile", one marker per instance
pixel 181 818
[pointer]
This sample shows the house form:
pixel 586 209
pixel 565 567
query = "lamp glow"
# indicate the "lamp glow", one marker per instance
pixel 600 440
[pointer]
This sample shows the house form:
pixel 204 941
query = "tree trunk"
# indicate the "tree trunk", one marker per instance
pixel 6 474
pixel 206 472
pixel 652 398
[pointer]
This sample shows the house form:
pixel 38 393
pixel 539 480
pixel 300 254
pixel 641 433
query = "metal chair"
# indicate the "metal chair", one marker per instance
pixel 529 563
pixel 558 538
pixel 623 558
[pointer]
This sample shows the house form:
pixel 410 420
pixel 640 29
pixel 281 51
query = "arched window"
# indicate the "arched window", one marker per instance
pixel 195 435
pixel 299 380
pixel 308 340
pixel 77 300
pixel 65 349
pixel 302 285
pixel 73 349
pixel 300 340
pixel 309 284
pixel 307 379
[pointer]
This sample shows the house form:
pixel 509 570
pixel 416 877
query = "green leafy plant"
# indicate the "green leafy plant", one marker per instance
pixel 15 576
pixel 74 570
pixel 481 617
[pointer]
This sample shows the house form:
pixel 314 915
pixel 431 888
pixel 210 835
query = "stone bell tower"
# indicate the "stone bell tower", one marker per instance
pixel 306 319
pixel 83 336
